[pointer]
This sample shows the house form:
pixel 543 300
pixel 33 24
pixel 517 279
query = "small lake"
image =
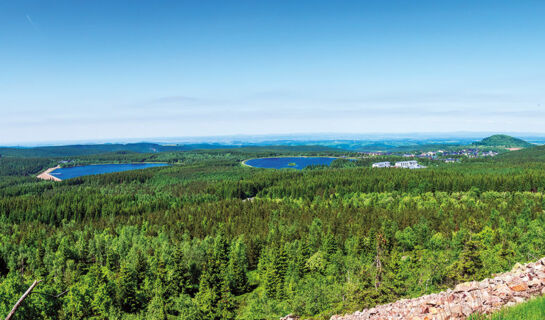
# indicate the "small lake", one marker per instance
pixel 80 171
pixel 289 162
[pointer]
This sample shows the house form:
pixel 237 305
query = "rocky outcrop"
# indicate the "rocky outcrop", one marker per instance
pixel 484 297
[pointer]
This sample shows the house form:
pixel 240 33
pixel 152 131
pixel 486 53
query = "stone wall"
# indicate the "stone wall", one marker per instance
pixel 484 297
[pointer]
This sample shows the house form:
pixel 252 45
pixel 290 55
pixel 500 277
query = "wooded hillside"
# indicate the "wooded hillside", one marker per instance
pixel 184 242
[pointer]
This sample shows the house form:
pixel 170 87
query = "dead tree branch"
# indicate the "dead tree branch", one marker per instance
pixel 53 295
pixel 23 297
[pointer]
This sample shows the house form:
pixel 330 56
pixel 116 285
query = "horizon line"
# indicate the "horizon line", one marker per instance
pixel 272 137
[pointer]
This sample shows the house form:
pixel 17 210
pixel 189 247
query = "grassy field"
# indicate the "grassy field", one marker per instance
pixel 532 310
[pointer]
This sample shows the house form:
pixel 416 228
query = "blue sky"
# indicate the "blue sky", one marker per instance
pixel 84 70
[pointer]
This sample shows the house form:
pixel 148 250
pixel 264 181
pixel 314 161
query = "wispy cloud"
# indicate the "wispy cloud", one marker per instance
pixel 29 19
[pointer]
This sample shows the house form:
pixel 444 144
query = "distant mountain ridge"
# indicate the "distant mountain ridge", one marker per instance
pixel 400 145
pixel 502 140
pixel 144 147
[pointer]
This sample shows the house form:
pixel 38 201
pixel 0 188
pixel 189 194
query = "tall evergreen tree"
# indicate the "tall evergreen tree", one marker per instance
pixel 469 265
pixel 238 267
pixel 180 276
pixel 127 290
pixel 227 303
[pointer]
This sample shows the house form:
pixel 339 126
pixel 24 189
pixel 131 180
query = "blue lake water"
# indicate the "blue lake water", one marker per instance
pixel 79 171
pixel 284 162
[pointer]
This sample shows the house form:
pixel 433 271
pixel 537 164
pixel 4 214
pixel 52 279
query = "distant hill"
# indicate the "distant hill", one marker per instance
pixel 502 140
pixel 92 149
pixel 81 150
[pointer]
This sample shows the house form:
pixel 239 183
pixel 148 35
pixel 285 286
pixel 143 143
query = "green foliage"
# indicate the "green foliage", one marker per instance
pixel 126 285
pixel 469 265
pixel 182 242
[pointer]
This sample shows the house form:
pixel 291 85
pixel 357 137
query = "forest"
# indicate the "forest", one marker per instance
pixel 207 238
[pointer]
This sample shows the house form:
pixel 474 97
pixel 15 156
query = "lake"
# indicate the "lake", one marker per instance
pixel 288 162
pixel 79 171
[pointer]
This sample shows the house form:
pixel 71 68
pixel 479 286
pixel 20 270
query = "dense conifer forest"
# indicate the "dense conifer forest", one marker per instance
pixel 207 238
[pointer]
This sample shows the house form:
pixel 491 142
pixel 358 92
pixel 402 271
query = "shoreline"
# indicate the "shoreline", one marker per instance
pixel 103 164
pixel 244 164
pixel 47 176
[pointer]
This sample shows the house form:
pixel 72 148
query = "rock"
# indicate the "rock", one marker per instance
pixel 502 291
pixel 534 282
pixel 456 310
pixel 484 297
pixel 517 267
pixel 290 317
pixel 467 310
pixel 518 287
pixel 467 286
pixel 494 301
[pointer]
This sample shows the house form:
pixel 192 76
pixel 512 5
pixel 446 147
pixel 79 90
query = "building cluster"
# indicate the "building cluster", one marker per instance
pixel 385 164
pixel 451 160
pixel 469 153
pixel 411 164
pixel 439 154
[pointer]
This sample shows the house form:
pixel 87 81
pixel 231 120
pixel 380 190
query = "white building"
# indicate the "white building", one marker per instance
pixel 382 165
pixel 413 164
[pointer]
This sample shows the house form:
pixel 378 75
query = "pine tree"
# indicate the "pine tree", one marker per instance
pixel 140 267
pixel 226 304
pixel 303 254
pixel 126 290
pixel 395 280
pixel 40 267
pixel 270 274
pixel 221 250
pixel 180 277
pixel 214 284
pixel 469 265
pixel 209 294
pixel 275 273
pixel 104 292
pixel 161 278
pixel 156 308
pixel 281 262
pixel 329 246
pixel 238 268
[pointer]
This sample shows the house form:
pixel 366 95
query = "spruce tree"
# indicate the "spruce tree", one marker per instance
pixel 303 254
pixel 469 265
pixel 140 267
pixel 281 263
pixel 238 268
pixel 126 290
pixel 209 292
pixel 226 304
pixel 179 277
pixel 214 285
pixel 329 246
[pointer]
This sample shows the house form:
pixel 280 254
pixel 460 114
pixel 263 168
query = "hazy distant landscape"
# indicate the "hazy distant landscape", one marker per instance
pixel 208 237
pixel 363 143
pixel 278 160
